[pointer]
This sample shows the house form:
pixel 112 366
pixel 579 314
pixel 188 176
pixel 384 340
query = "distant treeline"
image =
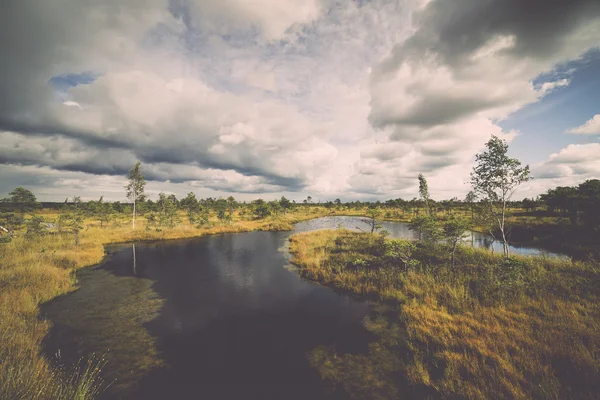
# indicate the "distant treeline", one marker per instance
pixel 580 204
pixel 528 204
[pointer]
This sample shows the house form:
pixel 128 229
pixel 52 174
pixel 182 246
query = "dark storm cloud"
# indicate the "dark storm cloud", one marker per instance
pixel 289 184
pixel 86 167
pixel 27 56
pixel 432 111
pixel 39 39
pixel 453 29
pixel 246 166
pixel 450 32
pixel 540 26
pixel 72 155
pixel 63 154
pixel 51 128
pixel 435 163
pixel 223 185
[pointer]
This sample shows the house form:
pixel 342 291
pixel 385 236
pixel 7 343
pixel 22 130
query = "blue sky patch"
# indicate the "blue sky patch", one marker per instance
pixel 63 83
pixel 543 124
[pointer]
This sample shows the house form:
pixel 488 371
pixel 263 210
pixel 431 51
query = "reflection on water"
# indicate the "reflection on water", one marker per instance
pixel 400 230
pixel 231 322
pixel 216 317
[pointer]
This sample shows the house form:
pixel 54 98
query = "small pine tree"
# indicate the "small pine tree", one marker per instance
pixel 35 227
pixel 424 192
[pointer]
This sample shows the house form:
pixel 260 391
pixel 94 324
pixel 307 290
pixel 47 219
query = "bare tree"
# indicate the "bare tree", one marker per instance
pixel 76 200
pixel 371 220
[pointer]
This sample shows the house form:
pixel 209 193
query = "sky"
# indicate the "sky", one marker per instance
pixel 296 98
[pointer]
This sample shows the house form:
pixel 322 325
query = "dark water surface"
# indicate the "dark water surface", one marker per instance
pixel 215 317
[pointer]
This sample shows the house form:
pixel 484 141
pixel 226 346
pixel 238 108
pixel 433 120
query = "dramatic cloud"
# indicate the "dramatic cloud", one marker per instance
pixel 591 127
pixel 468 65
pixel 140 105
pixel 333 99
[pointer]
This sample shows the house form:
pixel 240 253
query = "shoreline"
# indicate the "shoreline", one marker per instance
pixel 45 268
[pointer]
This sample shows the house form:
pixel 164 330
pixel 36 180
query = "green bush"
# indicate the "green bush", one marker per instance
pixel 400 253
pixel 35 227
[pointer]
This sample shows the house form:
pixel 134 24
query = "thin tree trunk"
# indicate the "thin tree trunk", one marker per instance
pixel 502 228
pixel 133 218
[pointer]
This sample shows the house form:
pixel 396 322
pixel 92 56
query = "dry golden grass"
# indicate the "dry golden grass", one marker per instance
pixel 37 270
pixel 462 333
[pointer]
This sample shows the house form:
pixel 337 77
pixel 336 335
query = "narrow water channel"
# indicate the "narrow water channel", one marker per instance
pixel 215 317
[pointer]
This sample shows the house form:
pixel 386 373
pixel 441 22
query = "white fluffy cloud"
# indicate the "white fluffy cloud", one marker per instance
pixel 568 167
pixel 591 127
pixel 334 99
pixel 574 161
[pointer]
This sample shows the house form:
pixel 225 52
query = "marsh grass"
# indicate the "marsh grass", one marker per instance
pixel 36 379
pixel 36 270
pixel 523 328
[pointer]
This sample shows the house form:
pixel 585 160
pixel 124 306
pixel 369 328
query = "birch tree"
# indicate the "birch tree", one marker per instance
pixel 135 188
pixel 495 178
